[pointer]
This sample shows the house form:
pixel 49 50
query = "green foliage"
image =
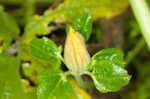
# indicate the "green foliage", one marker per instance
pixel 53 85
pixel 112 54
pixel 8 29
pixel 109 77
pixel 47 50
pixel 106 67
pixel 98 8
pixel 10 83
pixel 33 68
pixel 29 91
pixel 37 25
pixel 107 70
pixel 83 25
pixel 70 9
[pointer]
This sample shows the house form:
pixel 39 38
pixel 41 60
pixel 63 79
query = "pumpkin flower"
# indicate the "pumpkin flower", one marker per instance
pixel 76 56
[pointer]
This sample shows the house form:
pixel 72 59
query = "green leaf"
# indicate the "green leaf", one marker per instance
pixel 69 9
pixel 8 30
pixel 53 85
pixel 47 50
pixel 109 77
pixel 29 90
pixel 83 25
pixel 113 54
pixel 33 68
pixel 37 26
pixel 10 85
pixel 1 8
pixel 8 24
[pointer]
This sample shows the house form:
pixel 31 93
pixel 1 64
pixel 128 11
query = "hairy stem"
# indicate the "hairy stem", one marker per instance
pixel 80 81
pixel 142 14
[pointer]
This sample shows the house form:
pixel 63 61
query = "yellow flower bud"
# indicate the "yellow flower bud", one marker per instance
pixel 76 55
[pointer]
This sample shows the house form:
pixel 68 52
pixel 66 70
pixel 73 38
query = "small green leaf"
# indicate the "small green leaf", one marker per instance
pixel 83 25
pixel 8 24
pixel 8 30
pixel 113 54
pixel 53 85
pixel 10 82
pixel 34 27
pixel 109 77
pixel 37 26
pixel 47 50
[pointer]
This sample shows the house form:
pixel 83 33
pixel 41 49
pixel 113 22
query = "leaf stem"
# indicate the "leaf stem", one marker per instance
pixel 142 14
pixel 84 84
pixel 80 81
pixel 132 54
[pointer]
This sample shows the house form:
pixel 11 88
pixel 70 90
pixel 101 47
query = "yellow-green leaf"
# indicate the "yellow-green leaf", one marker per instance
pixel 10 84
pixel 8 30
pixel 98 8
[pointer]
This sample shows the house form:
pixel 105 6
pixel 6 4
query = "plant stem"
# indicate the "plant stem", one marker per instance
pixel 80 81
pixel 84 84
pixel 132 54
pixel 142 14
